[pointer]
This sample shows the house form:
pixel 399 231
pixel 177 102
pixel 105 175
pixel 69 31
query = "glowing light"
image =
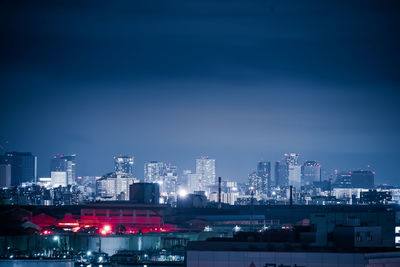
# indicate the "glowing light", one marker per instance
pixel 182 193
pixel 89 253
pixel 100 259
pixel 56 238
pixel 107 228
pixel 237 228
pixel 160 182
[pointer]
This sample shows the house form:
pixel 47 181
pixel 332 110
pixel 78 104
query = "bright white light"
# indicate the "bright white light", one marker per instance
pixel 182 193
pixel 207 229
pixel 397 229
pixel 160 182
pixel 237 228
pixel 162 200
pixel 107 228
pixel 55 238
pixel 100 259
pixel 89 253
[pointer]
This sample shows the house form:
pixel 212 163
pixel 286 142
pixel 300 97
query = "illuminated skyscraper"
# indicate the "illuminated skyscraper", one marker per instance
pixel 205 167
pixel 294 169
pixel 255 183
pixel 165 174
pixel 62 163
pixel 153 172
pixel 23 166
pixel 281 174
pixel 115 186
pixel 124 164
pixel 264 172
pixel 310 172
pixel 194 182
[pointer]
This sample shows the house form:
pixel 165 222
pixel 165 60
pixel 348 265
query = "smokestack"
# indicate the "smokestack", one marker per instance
pixel 291 195
pixel 219 192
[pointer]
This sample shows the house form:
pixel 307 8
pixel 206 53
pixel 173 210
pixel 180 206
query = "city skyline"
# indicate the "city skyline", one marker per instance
pixel 330 173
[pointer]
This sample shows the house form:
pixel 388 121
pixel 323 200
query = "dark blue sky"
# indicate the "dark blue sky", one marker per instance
pixel 239 81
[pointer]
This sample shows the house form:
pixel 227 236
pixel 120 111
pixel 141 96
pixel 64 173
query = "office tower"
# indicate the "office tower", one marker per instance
pixel 362 179
pixel 205 167
pixel 5 175
pixel 194 182
pixel 59 178
pixel 124 164
pixel 153 172
pixel 294 169
pixel 114 186
pixel 264 172
pixel 165 174
pixel 62 163
pixel 343 180
pixel 144 193
pixel 310 172
pixel 23 166
pixel 281 174
pixel 170 179
pixel 255 183
pixel 184 179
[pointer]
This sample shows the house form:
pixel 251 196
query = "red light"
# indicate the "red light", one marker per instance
pixel 106 230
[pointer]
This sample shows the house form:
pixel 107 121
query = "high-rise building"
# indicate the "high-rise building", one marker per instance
pixel 343 180
pixel 264 172
pixel 124 164
pixel 170 179
pixel 294 169
pixel 23 166
pixel 184 179
pixel 165 174
pixel 255 183
pixel 205 167
pixel 194 182
pixel 63 163
pixel 310 172
pixel 114 186
pixel 5 175
pixel 362 179
pixel 153 172
pixel 281 174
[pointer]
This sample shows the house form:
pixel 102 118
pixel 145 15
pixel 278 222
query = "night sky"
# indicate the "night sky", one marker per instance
pixel 238 81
